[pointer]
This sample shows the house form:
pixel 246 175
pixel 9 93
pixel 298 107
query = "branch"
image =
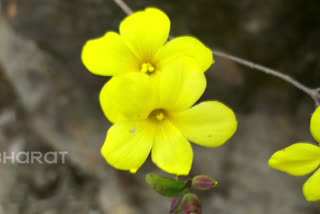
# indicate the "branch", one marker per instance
pixel 124 7
pixel 313 93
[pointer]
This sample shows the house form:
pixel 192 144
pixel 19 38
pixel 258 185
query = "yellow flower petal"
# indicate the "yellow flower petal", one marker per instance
pixel 208 124
pixel 181 84
pixel 315 125
pixel 128 145
pixel 171 152
pixel 108 56
pixel 311 189
pixel 188 46
pixel 146 32
pixel 298 159
pixel 127 97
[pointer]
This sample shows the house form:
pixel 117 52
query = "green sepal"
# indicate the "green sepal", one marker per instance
pixel 165 186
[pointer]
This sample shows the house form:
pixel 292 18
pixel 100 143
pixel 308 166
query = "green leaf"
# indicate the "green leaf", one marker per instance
pixel 165 186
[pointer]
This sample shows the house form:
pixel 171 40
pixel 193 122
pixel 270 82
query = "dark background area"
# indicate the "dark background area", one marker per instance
pixel 49 102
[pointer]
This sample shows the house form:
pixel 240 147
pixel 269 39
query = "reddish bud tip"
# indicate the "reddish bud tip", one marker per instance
pixel 203 182
pixel 191 204
pixel 175 204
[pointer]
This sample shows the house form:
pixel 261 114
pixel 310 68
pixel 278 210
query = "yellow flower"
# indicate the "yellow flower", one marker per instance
pixel 301 159
pixel 161 118
pixel 140 47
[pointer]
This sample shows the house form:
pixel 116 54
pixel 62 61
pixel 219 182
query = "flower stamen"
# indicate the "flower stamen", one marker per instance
pixel 147 68
pixel 157 115
pixel 160 116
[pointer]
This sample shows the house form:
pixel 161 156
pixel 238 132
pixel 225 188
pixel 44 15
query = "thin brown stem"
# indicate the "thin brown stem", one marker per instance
pixel 313 93
pixel 124 7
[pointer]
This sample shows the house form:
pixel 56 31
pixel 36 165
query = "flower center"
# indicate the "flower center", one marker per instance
pixel 158 115
pixel 147 68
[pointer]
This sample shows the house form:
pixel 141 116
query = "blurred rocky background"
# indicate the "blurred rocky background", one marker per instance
pixel 49 102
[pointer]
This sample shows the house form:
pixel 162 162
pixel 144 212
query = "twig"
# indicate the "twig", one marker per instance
pixel 124 6
pixel 313 93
